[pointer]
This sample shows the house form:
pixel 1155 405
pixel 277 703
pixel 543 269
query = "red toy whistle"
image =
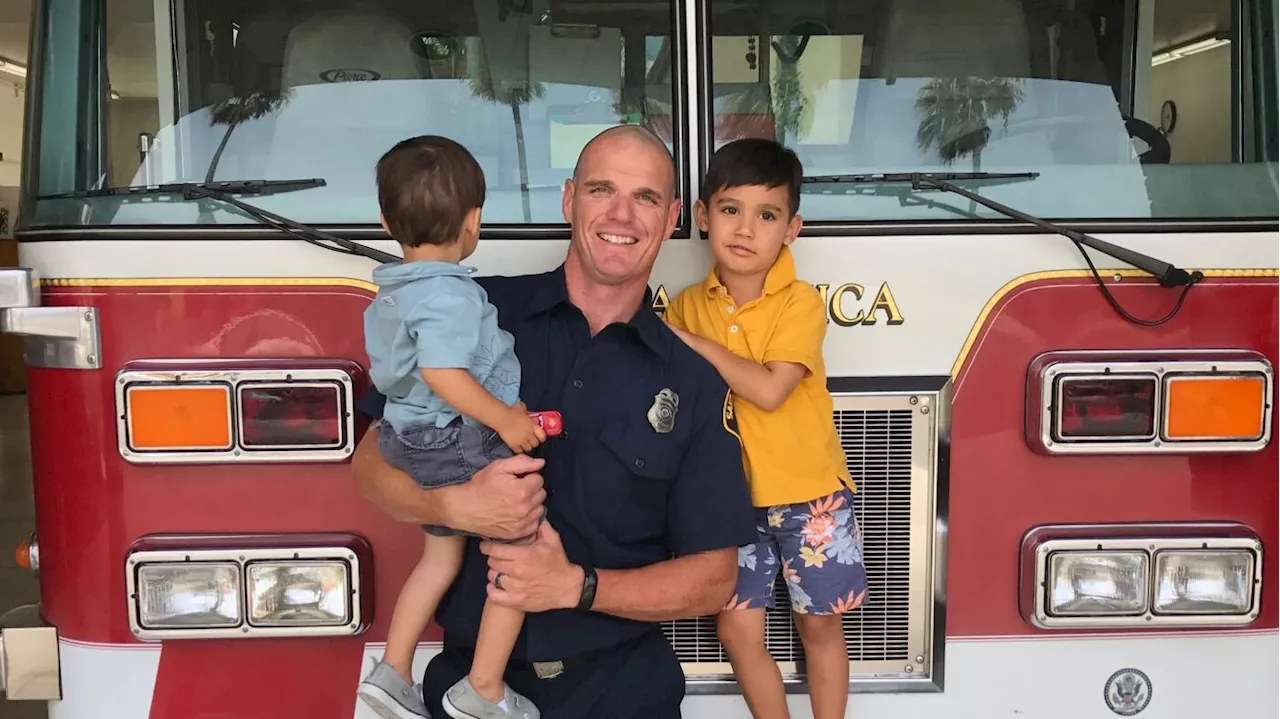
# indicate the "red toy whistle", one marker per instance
pixel 550 421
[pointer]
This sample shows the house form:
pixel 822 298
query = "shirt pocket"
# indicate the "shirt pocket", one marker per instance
pixel 635 509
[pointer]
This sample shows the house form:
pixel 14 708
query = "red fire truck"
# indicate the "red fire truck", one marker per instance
pixel 1046 233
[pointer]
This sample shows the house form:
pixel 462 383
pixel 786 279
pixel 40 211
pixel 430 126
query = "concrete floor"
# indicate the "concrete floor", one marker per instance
pixel 17 521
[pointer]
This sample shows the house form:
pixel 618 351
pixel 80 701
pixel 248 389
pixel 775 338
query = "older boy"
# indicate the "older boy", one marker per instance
pixel 763 330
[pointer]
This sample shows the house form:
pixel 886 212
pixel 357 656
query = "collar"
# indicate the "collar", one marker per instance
pixel 779 277
pixel 551 293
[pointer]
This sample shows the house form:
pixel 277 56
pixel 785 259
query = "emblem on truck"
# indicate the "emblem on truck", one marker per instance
pixel 1127 692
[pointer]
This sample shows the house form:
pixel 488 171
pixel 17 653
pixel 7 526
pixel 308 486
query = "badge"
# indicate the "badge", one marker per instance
pixel 1127 692
pixel 662 415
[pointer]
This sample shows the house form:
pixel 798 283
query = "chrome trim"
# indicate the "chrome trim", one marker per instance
pixel 29 664
pixel 235 381
pixel 1049 415
pixel 243 628
pixel 1150 546
pixel 56 337
pixel 922 671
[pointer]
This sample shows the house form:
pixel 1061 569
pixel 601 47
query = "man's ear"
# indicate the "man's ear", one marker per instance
pixel 566 200
pixel 673 217
pixel 700 216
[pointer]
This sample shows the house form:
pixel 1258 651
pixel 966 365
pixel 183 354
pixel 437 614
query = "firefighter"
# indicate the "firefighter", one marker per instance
pixel 644 490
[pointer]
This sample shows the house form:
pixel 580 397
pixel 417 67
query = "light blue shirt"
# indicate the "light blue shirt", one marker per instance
pixel 433 315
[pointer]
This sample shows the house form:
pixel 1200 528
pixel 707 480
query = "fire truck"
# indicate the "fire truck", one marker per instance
pixel 1045 232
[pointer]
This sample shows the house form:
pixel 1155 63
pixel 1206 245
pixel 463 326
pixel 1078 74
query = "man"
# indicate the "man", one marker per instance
pixel 646 502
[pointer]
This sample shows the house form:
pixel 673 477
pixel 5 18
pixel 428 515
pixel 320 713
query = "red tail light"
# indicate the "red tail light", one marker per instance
pixel 1112 408
pixel 282 415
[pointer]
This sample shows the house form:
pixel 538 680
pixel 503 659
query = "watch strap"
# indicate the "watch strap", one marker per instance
pixel 588 597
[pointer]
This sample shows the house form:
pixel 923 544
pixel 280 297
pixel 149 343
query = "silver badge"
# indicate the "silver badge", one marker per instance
pixel 1127 692
pixel 662 415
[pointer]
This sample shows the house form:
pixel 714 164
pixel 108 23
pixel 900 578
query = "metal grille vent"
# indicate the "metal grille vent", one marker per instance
pixel 883 445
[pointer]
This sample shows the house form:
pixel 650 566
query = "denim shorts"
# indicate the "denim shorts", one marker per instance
pixel 817 545
pixel 441 456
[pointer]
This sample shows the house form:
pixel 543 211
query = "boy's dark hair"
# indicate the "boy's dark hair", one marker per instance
pixel 754 161
pixel 426 187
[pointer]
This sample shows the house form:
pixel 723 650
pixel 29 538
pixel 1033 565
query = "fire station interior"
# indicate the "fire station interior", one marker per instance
pixel 1176 79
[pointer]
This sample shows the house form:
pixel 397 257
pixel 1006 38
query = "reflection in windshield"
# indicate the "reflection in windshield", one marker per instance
pixel 1121 116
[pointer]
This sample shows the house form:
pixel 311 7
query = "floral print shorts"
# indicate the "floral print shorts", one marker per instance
pixel 818 547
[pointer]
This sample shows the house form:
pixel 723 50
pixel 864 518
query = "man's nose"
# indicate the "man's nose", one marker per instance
pixel 620 209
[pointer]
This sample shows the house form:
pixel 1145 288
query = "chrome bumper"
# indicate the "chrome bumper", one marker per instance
pixel 29 666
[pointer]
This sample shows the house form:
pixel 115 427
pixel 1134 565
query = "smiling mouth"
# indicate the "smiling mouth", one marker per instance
pixel 617 239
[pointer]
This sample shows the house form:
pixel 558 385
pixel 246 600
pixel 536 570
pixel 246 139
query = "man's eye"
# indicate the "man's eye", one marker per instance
pixel 766 215
pixel 729 210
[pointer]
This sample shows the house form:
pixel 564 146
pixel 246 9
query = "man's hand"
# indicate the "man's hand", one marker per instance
pixel 536 577
pixel 503 500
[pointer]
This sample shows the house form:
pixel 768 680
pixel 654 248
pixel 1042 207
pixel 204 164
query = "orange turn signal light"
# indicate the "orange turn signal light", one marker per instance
pixel 22 555
pixel 1215 407
pixel 167 417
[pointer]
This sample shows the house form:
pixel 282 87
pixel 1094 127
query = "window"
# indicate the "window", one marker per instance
pixel 198 90
pixel 1126 109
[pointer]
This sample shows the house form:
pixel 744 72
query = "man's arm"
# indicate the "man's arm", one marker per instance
pixel 502 500
pixel 709 515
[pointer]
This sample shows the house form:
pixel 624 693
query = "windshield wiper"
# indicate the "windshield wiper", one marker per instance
pixel 1167 274
pixel 224 191
pixel 238 187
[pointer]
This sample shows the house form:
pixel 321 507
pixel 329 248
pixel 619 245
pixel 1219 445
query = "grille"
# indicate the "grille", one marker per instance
pixel 882 437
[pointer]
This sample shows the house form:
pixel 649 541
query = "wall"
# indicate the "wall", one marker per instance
pixel 1200 86
pixel 11 111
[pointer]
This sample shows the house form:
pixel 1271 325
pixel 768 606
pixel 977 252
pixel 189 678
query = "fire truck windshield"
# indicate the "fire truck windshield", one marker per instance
pixel 1126 111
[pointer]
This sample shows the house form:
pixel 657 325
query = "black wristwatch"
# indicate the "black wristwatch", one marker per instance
pixel 588 597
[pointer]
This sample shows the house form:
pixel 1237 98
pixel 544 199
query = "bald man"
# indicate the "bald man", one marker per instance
pixel 646 502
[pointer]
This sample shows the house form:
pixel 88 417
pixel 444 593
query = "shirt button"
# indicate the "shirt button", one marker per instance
pixel 733 328
pixel 639 464
pixel 577 383
pixel 730 308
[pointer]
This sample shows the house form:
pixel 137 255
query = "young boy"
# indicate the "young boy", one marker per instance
pixel 763 330
pixel 452 383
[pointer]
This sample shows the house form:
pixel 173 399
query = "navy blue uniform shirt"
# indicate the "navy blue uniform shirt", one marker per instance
pixel 620 493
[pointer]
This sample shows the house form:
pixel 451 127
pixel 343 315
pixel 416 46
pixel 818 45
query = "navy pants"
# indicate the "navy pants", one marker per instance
pixel 639 679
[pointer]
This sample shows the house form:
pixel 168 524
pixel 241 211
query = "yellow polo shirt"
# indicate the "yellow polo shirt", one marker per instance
pixel 793 453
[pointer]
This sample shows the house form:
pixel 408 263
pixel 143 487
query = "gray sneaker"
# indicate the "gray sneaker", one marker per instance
pixel 463 702
pixel 390 696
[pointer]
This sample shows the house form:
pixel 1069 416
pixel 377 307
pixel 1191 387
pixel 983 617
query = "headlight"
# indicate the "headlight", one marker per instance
pixel 1091 584
pixel 298 594
pixel 189 595
pixel 1141 581
pixel 192 593
pixel 1204 582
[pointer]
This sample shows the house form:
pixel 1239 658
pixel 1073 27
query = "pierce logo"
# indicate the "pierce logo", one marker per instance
pixel 349 74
